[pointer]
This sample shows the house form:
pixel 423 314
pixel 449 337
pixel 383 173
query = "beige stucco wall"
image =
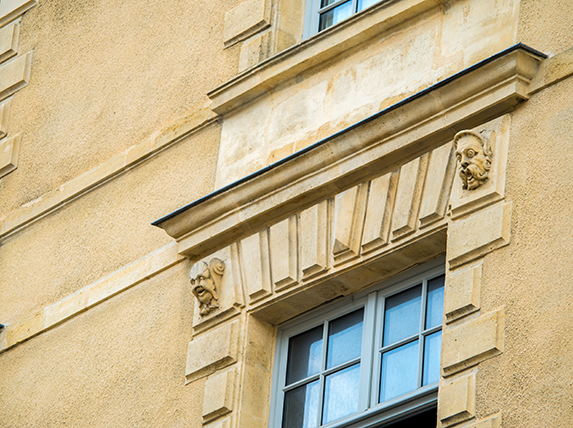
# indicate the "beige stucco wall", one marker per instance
pixel 104 230
pixel 377 74
pixel 531 380
pixel 117 365
pixel 105 75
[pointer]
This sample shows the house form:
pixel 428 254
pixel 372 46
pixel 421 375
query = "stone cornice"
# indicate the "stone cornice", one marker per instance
pixel 368 148
pixel 314 51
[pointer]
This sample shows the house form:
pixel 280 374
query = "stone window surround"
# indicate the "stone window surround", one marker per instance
pixel 396 136
pixel 313 51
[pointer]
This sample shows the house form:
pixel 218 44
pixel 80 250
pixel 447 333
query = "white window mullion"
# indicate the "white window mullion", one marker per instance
pixel 367 353
pixel 420 335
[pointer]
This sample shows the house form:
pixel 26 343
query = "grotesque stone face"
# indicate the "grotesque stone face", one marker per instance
pixel 204 279
pixel 473 153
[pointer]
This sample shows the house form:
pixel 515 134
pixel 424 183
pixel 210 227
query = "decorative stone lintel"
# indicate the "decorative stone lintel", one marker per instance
pixel 372 147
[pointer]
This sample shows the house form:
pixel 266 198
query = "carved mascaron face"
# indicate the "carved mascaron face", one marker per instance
pixel 203 287
pixel 205 278
pixel 474 159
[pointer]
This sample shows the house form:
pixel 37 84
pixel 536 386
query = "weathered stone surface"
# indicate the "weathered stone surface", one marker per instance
pixel 4 112
pixel 11 9
pixel 9 152
pixel 462 294
pixel 9 41
pixel 349 211
pixel 381 200
pixel 457 400
pixel 212 350
pixel 14 75
pixel 218 398
pixel 246 19
pixel 408 198
pixel 314 233
pixel 470 343
pixel 464 201
pixel 438 185
pixel 284 253
pixel 480 233
pixel 255 264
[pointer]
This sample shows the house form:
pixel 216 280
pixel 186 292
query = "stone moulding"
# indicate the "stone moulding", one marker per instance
pixel 370 148
pixel 314 51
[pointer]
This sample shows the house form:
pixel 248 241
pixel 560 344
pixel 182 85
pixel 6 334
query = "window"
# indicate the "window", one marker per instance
pixel 367 361
pixel 321 14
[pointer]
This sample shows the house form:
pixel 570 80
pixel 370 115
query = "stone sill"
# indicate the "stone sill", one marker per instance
pixel 365 150
pixel 260 79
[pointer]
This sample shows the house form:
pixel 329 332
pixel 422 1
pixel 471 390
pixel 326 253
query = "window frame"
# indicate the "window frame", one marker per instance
pixel 313 11
pixel 369 410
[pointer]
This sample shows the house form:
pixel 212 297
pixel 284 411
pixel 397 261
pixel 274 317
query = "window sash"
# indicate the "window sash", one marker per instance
pixel 373 301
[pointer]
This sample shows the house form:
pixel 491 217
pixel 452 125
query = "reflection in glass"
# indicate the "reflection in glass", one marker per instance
pixel 304 355
pixel 435 306
pixel 432 347
pixel 402 315
pixel 399 371
pixel 344 338
pixel 301 407
pixel 335 15
pixel 341 394
pixel 363 4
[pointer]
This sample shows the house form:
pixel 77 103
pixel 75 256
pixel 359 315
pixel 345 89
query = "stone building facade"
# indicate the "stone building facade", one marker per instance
pixel 188 189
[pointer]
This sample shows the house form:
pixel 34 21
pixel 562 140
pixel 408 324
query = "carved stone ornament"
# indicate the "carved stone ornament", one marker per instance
pixel 473 152
pixel 205 280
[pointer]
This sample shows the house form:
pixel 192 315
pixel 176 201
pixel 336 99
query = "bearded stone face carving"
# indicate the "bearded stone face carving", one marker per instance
pixel 205 280
pixel 473 152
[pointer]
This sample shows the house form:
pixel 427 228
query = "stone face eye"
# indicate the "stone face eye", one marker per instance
pixel 471 153
pixel 459 157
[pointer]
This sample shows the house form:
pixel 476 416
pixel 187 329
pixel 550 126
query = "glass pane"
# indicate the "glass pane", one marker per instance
pixel 402 315
pixel 304 355
pixel 432 347
pixel 435 307
pixel 341 394
pixel 344 338
pixel 363 4
pixel 301 407
pixel 335 15
pixel 324 3
pixel 399 371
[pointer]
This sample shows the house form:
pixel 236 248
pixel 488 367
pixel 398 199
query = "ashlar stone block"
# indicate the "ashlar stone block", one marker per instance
pixel 256 265
pixel 408 198
pixel 244 20
pixel 9 40
pixel 478 234
pixel 457 400
pixel 212 350
pixel 218 397
pixel 284 253
pixel 4 112
pixel 381 198
pixel 14 75
pixel 462 295
pixel 470 343
pixel 9 151
pixel 438 185
pixel 314 233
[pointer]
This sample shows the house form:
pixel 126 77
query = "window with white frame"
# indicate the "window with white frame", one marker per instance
pixel 368 361
pixel 321 14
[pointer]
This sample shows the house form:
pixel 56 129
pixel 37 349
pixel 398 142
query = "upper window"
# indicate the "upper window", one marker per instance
pixel 321 14
pixel 373 358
